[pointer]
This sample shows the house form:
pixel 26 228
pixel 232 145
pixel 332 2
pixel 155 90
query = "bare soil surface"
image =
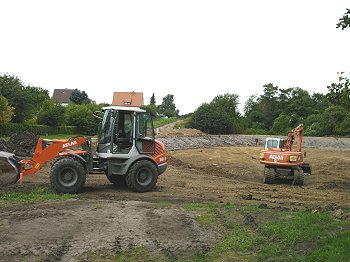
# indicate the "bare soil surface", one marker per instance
pixel 105 216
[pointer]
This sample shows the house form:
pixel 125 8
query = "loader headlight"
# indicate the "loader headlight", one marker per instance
pixel 261 155
pixel 293 158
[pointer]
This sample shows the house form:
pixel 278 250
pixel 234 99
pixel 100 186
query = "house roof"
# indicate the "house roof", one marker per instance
pixel 123 108
pixel 62 95
pixel 134 99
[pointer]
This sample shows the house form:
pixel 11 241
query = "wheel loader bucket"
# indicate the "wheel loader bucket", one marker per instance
pixel 9 169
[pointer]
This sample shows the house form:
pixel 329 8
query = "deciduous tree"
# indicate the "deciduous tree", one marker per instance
pixel 168 107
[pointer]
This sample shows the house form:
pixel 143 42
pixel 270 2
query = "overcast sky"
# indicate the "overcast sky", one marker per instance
pixel 192 49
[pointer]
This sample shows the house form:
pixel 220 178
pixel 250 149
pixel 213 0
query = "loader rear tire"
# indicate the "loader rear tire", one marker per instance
pixel 67 176
pixel 269 175
pixel 117 180
pixel 142 176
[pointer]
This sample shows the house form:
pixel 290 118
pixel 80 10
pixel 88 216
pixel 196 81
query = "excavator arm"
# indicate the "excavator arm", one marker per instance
pixel 295 132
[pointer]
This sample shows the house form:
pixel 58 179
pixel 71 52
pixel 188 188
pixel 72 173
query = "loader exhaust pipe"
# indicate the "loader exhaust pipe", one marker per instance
pixel 9 169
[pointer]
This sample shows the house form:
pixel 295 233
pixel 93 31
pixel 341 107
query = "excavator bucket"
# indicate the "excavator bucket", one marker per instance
pixel 9 169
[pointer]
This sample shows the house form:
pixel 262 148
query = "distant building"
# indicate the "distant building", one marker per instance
pixel 128 99
pixel 62 96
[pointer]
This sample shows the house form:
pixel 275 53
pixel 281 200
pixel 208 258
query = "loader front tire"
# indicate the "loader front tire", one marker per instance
pixel 67 176
pixel 142 176
pixel 269 175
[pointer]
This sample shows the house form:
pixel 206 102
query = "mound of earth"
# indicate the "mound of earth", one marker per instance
pixel 21 144
pixel 171 131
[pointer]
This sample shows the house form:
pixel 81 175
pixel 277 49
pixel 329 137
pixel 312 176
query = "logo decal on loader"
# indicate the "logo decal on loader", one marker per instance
pixel 276 157
pixel 69 144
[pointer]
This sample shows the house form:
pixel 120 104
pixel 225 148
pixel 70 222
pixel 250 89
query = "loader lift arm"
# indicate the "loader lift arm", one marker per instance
pixel 56 149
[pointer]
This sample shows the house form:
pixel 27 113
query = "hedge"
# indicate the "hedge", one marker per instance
pixel 11 128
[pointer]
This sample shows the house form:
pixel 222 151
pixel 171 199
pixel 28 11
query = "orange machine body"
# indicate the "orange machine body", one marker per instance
pixel 55 149
pixel 286 156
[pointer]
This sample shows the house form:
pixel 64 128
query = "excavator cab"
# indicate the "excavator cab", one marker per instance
pixel 274 143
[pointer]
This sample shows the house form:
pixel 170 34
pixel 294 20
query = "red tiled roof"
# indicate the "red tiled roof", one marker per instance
pixel 128 99
pixel 62 95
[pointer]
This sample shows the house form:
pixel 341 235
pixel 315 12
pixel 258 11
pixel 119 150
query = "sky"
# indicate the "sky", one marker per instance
pixel 193 49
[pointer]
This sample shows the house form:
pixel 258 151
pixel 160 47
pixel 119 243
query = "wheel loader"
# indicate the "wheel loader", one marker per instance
pixel 282 161
pixel 127 153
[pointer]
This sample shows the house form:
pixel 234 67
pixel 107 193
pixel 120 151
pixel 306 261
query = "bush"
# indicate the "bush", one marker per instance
pixel 220 116
pixel 253 131
pixel 331 119
pixel 6 111
pixel 51 114
pixel 344 127
pixel 82 117
pixel 11 128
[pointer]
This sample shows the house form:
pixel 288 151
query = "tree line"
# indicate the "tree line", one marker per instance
pixel 25 104
pixel 275 111
pixel 278 110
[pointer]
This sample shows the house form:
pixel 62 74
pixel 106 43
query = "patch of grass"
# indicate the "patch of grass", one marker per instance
pixel 38 194
pixel 254 234
pixel 59 136
pixel 334 247
pixel 183 123
pixel 134 254
pixel 301 226
pixel 159 122
pixel 5 138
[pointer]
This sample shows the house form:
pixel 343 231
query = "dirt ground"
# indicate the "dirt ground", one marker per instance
pixel 107 217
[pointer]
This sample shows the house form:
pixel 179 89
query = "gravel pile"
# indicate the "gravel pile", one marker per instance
pixel 188 142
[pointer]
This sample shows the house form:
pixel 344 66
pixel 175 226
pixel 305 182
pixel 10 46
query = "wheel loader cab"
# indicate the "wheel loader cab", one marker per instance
pixel 125 130
pixel 127 151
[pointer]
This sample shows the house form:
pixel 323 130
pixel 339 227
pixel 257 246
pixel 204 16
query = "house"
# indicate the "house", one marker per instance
pixel 62 96
pixel 128 99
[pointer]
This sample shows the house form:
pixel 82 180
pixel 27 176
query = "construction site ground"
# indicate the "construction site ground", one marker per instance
pixel 107 217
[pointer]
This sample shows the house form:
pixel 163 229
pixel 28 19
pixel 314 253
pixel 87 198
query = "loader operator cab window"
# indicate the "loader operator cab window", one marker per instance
pixel 105 132
pixel 145 134
pixel 123 132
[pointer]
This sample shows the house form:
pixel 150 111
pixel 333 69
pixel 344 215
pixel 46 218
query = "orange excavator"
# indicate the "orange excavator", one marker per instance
pixel 282 161
pixel 127 153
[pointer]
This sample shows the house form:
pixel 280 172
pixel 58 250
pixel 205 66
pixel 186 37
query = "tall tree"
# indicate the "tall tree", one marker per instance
pixel 168 107
pixel 344 21
pixel 79 97
pixel 152 100
pixel 339 93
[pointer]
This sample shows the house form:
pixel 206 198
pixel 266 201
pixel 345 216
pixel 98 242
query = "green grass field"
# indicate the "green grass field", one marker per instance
pixel 159 122
pixel 38 194
pixel 259 234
